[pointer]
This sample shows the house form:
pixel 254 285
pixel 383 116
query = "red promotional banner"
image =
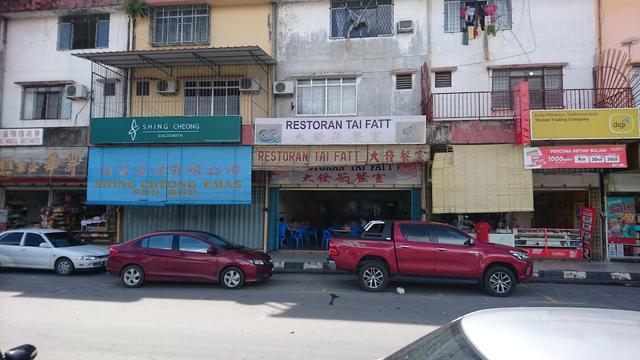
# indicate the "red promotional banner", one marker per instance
pixel 575 157
pixel 521 113
pixel 587 227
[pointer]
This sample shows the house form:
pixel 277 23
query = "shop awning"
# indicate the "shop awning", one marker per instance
pixel 245 55
pixel 481 179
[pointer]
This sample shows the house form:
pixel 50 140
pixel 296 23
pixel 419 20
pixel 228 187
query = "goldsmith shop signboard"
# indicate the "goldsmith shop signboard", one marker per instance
pixel 166 129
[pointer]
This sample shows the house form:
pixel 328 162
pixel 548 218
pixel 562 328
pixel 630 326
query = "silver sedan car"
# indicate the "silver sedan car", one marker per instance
pixel 532 333
pixel 49 249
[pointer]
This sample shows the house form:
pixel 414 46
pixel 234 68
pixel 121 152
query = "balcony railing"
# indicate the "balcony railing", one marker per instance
pixel 486 105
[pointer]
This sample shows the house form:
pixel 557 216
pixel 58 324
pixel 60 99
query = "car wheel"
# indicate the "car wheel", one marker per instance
pixel 132 276
pixel 232 278
pixel 373 276
pixel 64 267
pixel 499 281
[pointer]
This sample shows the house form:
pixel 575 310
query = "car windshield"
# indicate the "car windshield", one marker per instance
pixel 223 243
pixel 448 342
pixel 63 239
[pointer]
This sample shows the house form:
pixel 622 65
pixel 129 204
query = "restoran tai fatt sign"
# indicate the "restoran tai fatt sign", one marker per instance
pixel 341 131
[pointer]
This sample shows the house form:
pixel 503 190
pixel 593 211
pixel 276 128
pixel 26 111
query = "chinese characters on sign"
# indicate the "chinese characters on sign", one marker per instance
pixel 17 137
pixel 587 227
pixel 61 162
pixel 277 157
pixel 574 157
pixel 400 174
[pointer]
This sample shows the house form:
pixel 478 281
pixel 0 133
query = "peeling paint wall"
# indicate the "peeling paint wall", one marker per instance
pixel 470 132
pixel 304 49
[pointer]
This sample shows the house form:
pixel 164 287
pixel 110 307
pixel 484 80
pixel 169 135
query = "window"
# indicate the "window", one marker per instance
pixel 415 232
pixel 162 242
pixel 142 88
pixel 45 102
pixel 635 85
pixel 109 89
pixel 361 18
pixel 212 97
pixel 404 81
pixel 83 32
pixel 447 342
pixel 443 79
pixel 33 240
pixel 326 96
pixel 454 23
pixel 188 243
pixel 62 239
pixel 545 87
pixel 11 239
pixel 180 25
pixel 443 235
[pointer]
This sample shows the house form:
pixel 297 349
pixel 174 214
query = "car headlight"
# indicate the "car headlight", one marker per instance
pixel 520 255
pixel 258 262
pixel 87 257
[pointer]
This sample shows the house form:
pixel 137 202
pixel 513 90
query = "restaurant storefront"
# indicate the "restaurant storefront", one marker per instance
pixel 368 168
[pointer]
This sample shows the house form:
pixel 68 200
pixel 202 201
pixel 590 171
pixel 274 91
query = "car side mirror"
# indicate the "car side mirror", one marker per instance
pixel 212 251
pixel 44 245
pixel 470 242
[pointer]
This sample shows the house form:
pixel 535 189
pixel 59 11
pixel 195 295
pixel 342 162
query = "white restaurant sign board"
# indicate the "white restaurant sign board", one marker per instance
pixel 380 174
pixel 21 137
pixel 364 130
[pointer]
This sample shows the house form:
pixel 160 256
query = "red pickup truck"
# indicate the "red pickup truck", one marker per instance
pixel 406 250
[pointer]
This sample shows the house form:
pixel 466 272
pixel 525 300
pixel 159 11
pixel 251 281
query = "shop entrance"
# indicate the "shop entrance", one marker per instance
pixel 24 207
pixel 307 214
pixel 558 209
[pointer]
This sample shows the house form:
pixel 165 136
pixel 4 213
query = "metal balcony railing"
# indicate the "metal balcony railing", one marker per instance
pixel 486 105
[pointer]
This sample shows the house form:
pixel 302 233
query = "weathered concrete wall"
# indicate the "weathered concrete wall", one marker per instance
pixel 470 132
pixel 65 136
pixel 304 49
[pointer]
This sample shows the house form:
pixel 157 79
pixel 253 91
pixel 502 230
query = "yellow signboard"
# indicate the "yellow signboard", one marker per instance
pixel 585 124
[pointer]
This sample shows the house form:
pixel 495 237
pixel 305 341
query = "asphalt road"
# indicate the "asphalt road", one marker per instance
pixel 91 316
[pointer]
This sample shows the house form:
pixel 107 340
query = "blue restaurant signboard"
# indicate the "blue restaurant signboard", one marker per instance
pixel 184 175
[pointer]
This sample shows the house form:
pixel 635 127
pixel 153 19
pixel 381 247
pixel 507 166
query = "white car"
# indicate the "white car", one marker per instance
pixel 531 333
pixel 49 249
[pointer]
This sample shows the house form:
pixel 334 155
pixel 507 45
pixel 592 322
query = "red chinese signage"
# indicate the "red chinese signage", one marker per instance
pixel 587 227
pixel 576 157
pixel 389 174
pixel 521 113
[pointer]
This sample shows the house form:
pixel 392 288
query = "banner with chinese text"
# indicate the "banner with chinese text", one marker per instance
pixel 21 137
pixel 43 162
pixel 383 174
pixel 169 175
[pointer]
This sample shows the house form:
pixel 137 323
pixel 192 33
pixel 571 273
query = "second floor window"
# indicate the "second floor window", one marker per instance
pixel 458 14
pixel 211 97
pixel 180 25
pixel 361 18
pixel 545 87
pixel 83 32
pixel 45 102
pixel 326 96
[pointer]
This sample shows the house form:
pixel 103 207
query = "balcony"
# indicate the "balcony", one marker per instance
pixel 496 105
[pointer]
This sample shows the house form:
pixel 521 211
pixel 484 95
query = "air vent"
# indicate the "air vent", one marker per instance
pixel 443 79
pixel 404 81
pixel 405 26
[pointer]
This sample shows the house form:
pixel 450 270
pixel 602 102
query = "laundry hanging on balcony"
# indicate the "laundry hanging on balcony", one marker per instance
pixel 473 21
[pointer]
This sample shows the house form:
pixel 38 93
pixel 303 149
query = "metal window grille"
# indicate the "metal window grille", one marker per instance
pixel 180 25
pixel 453 23
pixel 212 97
pixel 142 88
pixel 83 32
pixel 109 89
pixel 360 19
pixel 328 96
pixel 545 87
pixel 404 81
pixel 635 85
pixel 45 102
pixel 443 79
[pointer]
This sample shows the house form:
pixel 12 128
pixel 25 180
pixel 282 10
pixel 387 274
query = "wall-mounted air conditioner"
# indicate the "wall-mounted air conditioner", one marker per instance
pixel 249 84
pixel 166 87
pixel 283 88
pixel 76 91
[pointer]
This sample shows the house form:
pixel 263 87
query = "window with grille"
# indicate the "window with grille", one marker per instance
pixel 545 87
pixel 45 102
pixel 361 18
pixel 635 85
pixel 454 23
pixel 180 25
pixel 142 88
pixel 109 89
pixel 404 81
pixel 83 32
pixel 443 79
pixel 211 97
pixel 330 96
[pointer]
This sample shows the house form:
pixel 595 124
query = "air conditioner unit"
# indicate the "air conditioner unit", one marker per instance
pixel 166 87
pixel 248 84
pixel 76 91
pixel 405 26
pixel 283 87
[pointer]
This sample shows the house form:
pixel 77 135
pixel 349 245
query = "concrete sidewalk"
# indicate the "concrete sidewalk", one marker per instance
pixel 550 271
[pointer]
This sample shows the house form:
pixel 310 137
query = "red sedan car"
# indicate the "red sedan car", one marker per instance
pixel 187 256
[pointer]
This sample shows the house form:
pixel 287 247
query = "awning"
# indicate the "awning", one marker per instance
pixel 247 55
pixel 481 179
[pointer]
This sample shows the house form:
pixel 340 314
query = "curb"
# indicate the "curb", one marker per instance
pixel 541 276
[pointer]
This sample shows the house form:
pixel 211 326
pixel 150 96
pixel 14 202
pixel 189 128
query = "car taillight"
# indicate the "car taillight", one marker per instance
pixel 113 251
pixel 333 249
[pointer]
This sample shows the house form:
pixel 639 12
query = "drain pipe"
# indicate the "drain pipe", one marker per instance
pixel 3 50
